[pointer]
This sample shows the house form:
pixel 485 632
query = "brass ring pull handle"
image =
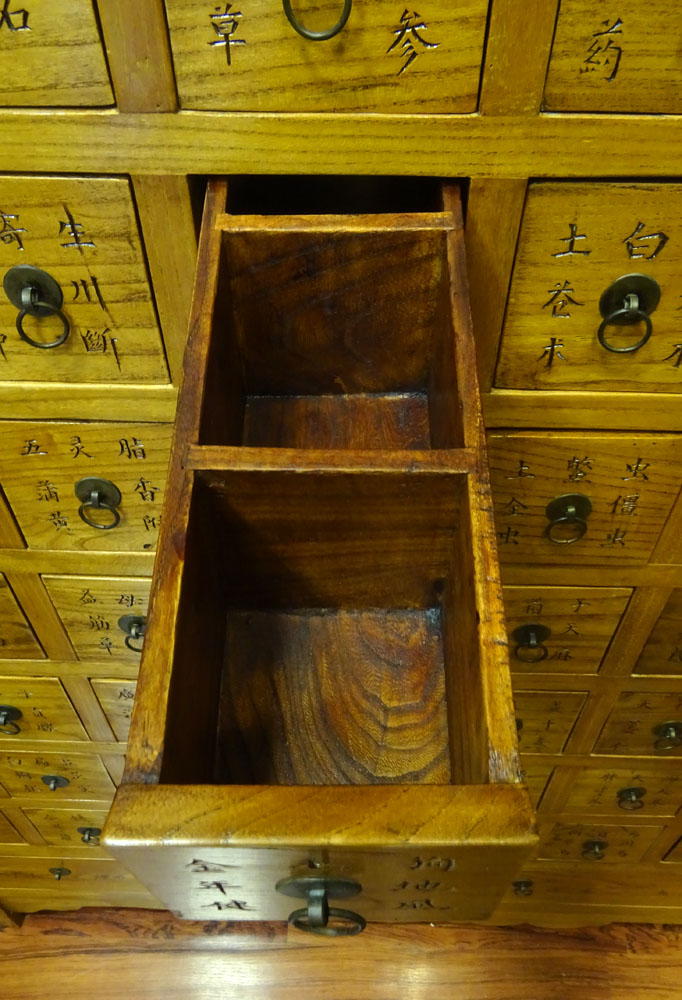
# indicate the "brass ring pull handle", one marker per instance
pixel 568 511
pixel 98 494
pixel 669 735
pixel 134 627
pixel 55 781
pixel 530 646
pixel 631 799
pixel 629 300
pixel 594 850
pixel 317 36
pixel 89 834
pixel 523 887
pixel 317 916
pixel 60 873
pixel 35 293
pixel 8 717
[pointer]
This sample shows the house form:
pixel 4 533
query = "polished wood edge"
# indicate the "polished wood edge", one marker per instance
pixel 282 816
pixel 22 745
pixel 45 561
pixel 393 222
pixel 73 668
pixel 552 575
pixel 66 401
pixel 576 410
pixel 462 460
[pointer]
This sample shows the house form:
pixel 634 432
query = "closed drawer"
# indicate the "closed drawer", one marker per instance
pixel 37 708
pixel 536 777
pixel 76 824
pixel 616 59
pixel 8 835
pixel 116 698
pixel 576 240
pixel 78 775
pixel 42 464
pixel 104 617
pixel 17 641
pixel 562 629
pixel 51 54
pixel 614 791
pixel 382 59
pixel 22 872
pixel 643 723
pixel 596 843
pixel 662 653
pixel 83 232
pixel 582 498
pixel 544 719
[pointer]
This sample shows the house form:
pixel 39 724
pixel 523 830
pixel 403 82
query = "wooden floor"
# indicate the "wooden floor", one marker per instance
pixel 140 955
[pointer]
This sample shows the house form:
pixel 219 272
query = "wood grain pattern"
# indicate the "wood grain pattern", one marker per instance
pixel 53 56
pixel 629 729
pixel 84 232
pixel 17 639
pixel 267 66
pixel 139 60
pixel 10 536
pixel 47 713
pixel 594 791
pixel 638 71
pixel 45 623
pixel 631 411
pixel 661 653
pixel 511 85
pixel 546 718
pixel 116 698
pixel 21 773
pixel 59 826
pixel 566 841
pixel 8 833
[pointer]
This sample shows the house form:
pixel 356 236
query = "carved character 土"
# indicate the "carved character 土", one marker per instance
pixel 572 239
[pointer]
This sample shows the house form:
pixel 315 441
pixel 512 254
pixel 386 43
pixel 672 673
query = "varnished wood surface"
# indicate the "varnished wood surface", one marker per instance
pixel 152 956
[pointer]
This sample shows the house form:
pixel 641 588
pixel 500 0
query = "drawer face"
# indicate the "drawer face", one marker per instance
pixel 60 826
pixel 17 640
pixel 51 54
pixel 545 719
pixel 116 698
pixel 41 463
pixel 84 233
pixel 34 873
pixel 22 774
pixel 630 482
pixel 46 712
pixel 608 59
pixel 91 608
pixel 632 729
pixel 575 241
pixel 617 791
pixel 578 842
pixel 676 853
pixel 236 59
pixel 536 777
pixel 581 620
pixel 663 651
pixel 8 835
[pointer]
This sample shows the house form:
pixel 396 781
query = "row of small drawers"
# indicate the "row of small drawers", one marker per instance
pixel 385 58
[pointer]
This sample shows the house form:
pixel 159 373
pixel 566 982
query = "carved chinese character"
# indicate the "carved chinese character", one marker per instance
pixel 579 604
pixel 616 537
pixel 408 37
pixel 134 450
pixel 572 240
pixel 534 607
pixel 78 448
pixel 99 624
pixel 442 864
pixel 15 20
pixel 90 289
pixel 225 24
pixel 676 655
pixel 637 469
pixel 32 448
pixel 95 341
pixel 626 505
pixel 514 506
pixel 75 231
pixel 106 644
pixel 128 600
pixel 508 536
pixel 675 356
pixel 58 520
pixel 561 654
pixel 603 54
pixel 9 233
pixel 570 630
pixel 47 491
pixel 207 867
pixel 523 471
pixel 222 887
pixel 146 491
pixel 87 598
pixel 552 352
pixel 560 298
pixel 151 522
pixel 579 468
pixel 232 904
pixel 3 338
pixel 419 904
pixel 636 250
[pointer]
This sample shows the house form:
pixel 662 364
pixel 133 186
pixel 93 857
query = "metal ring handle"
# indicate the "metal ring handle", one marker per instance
pixel 96 503
pixel 353 923
pixel 568 518
pixel 8 716
pixel 29 310
pixel 635 315
pixel 317 36
pixel 532 644
pixel 134 649
pixel 10 729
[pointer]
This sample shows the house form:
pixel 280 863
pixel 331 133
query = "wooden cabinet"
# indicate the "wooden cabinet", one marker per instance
pixel 17 640
pixel 100 614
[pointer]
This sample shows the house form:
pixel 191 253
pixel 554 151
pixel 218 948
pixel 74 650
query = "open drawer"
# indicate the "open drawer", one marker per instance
pixel 324 709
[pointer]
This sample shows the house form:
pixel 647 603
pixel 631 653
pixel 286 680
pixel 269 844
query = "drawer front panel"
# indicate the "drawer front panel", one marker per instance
pixel 624 59
pixel 17 640
pixel 596 843
pixel 575 241
pixel 41 464
pixel 61 826
pixel 637 726
pixel 86 777
pixel 46 712
pixel 545 719
pixel 536 777
pixel 663 651
pixel 84 233
pixel 51 54
pixel 8 835
pixel 581 622
pixel 617 791
pixel 382 60
pixel 91 608
pixel 34 873
pixel 116 698
pixel 629 481
pixel 676 854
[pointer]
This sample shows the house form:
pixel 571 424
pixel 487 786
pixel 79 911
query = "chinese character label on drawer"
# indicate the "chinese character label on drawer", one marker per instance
pixel 82 235
pixel 86 486
pixel 61 776
pixel 596 291
pixel 44 710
